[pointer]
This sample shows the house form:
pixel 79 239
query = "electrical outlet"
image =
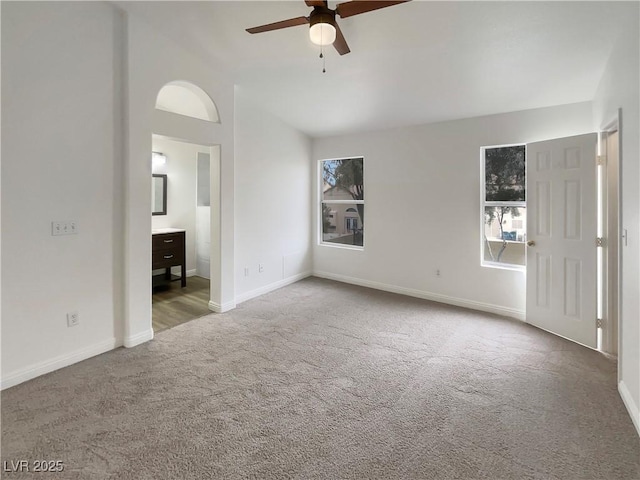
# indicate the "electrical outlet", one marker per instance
pixel 73 319
pixel 437 272
pixel 260 268
pixel 246 271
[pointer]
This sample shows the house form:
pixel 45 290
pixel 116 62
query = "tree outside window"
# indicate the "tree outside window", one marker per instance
pixel 342 201
pixel 504 206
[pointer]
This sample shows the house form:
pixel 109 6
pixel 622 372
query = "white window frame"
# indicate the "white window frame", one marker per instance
pixel 321 202
pixel 484 203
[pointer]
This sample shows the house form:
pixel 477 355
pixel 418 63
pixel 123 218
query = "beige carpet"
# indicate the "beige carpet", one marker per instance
pixel 322 380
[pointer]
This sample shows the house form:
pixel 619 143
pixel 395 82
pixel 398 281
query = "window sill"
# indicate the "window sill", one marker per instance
pixel 499 240
pixel 505 266
pixel 341 246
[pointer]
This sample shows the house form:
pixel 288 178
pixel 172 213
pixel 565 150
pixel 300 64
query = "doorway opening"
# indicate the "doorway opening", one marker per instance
pixel 181 234
pixel 185 237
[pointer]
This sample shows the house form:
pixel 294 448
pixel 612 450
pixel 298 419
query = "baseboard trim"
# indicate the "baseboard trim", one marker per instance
pixel 191 273
pixel 221 308
pixel 56 363
pixel 138 338
pixel 632 408
pixel 435 297
pixel 271 287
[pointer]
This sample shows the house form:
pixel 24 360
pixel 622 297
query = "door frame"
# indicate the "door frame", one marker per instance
pixel 610 295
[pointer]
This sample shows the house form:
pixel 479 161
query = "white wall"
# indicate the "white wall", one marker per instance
pixel 618 89
pixel 422 211
pixel 153 60
pixel 80 81
pixel 272 195
pixel 181 170
pixel 60 161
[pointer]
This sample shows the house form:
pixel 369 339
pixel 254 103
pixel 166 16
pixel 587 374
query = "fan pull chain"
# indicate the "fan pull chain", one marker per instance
pixel 324 63
pixel 324 70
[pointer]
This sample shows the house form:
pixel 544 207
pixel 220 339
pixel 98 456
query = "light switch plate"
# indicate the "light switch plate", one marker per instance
pixel 62 227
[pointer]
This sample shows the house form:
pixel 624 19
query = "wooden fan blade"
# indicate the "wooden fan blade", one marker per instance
pixel 340 43
pixel 316 3
pixel 292 22
pixel 357 7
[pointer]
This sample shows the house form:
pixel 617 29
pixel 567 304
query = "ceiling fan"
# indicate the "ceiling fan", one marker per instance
pixel 323 27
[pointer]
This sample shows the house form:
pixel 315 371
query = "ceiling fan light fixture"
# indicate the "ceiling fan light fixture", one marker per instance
pixel 322 31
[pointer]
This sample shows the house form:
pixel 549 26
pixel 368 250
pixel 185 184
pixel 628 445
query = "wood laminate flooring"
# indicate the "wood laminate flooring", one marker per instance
pixel 173 305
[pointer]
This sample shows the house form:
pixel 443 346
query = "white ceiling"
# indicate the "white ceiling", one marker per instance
pixel 413 63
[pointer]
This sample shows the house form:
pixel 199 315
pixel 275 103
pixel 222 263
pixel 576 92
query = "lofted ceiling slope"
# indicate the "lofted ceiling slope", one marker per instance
pixel 413 63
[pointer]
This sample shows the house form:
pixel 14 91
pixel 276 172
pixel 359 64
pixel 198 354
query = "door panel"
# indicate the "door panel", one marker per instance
pixel 561 258
pixel 543 210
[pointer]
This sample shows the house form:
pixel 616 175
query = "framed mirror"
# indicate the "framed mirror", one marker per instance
pixel 158 194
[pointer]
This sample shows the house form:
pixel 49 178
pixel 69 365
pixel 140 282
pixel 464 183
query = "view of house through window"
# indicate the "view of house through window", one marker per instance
pixel 342 201
pixel 504 211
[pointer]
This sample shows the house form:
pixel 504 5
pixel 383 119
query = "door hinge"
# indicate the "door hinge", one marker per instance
pixel 601 160
pixel 599 323
pixel 600 242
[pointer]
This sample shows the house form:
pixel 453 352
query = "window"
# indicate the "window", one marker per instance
pixel 342 201
pixel 504 208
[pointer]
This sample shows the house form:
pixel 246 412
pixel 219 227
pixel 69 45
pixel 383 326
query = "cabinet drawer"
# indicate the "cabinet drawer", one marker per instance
pixel 167 250
pixel 168 241
pixel 167 258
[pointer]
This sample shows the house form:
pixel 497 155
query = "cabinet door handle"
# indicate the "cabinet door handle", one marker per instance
pixel 168 241
pixel 167 257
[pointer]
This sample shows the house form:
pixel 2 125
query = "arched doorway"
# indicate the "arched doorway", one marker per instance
pixel 185 235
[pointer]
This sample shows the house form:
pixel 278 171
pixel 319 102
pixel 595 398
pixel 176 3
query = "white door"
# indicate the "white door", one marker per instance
pixel 561 233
